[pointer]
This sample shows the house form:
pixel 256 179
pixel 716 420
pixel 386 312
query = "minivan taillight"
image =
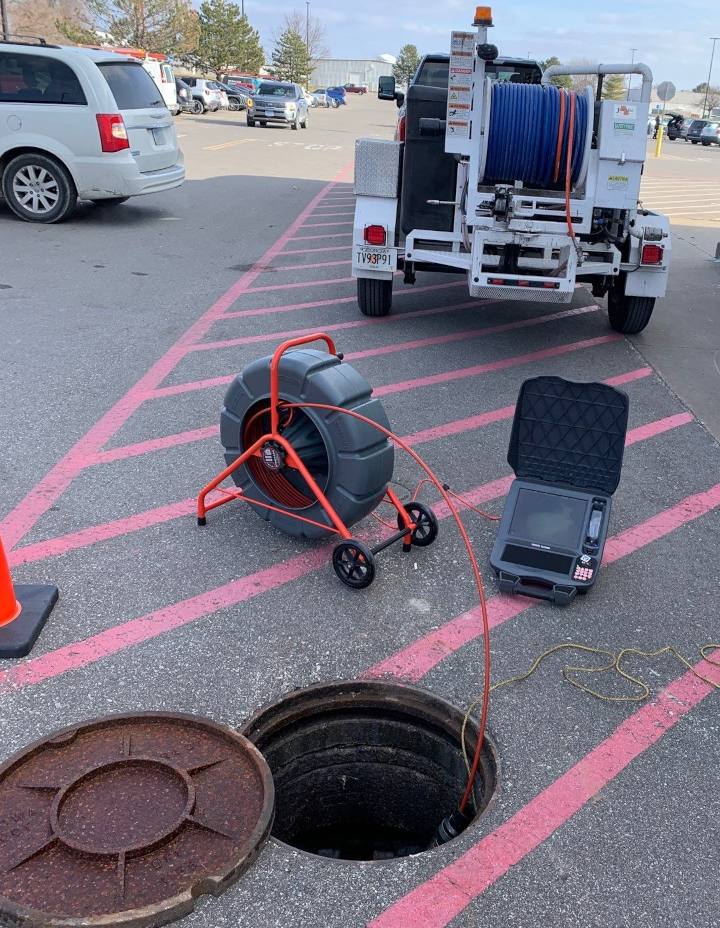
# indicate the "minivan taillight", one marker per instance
pixel 113 134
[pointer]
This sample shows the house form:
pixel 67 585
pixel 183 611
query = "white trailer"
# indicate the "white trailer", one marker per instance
pixel 524 188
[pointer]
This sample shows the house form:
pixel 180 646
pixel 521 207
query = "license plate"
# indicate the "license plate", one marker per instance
pixel 384 259
pixel 268 112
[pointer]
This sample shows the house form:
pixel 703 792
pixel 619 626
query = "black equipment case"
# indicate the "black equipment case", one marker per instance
pixel 566 449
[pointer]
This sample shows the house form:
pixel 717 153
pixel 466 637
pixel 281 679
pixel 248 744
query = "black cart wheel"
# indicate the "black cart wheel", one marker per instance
pixel 426 524
pixel 628 314
pixel 350 461
pixel 374 296
pixel 354 563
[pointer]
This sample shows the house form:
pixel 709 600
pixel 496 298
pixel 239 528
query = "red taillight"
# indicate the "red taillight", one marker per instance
pixel 401 129
pixel 375 235
pixel 652 254
pixel 113 134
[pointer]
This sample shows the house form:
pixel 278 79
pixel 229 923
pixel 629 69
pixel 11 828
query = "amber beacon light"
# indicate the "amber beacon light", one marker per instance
pixel 483 16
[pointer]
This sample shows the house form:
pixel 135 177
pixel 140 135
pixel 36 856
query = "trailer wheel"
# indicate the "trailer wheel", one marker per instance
pixel 351 461
pixel 374 296
pixel 629 314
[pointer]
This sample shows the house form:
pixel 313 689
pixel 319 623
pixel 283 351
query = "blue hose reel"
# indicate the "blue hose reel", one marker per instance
pixel 522 140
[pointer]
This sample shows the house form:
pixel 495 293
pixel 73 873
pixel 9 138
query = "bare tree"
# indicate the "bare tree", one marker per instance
pixel 581 81
pixel 40 17
pixel 713 99
pixel 315 38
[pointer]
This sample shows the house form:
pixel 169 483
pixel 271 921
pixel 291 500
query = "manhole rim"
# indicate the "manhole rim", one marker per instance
pixel 183 903
pixel 387 687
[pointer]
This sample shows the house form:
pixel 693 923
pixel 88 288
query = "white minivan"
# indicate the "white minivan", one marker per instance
pixel 80 123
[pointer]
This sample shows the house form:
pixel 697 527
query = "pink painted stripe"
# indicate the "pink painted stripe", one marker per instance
pixel 437 902
pixel 443 377
pixel 327 212
pixel 292 307
pixel 310 267
pixel 307 238
pixel 180 388
pixel 135 631
pixel 86 537
pixel 503 364
pixel 154 444
pixel 507 412
pixel 308 251
pixel 338 326
pixel 629 377
pixel 42 496
pixel 296 285
pixel 415 661
pixel 468 334
pixel 325 225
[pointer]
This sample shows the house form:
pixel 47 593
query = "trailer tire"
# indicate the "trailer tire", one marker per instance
pixel 351 461
pixel 374 296
pixel 629 314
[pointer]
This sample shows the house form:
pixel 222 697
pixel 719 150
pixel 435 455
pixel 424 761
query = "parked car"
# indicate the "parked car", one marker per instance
pixel 677 128
pixel 80 123
pixel 336 95
pixel 710 135
pixel 321 97
pixel 237 97
pixel 695 130
pixel 279 102
pixel 186 102
pixel 207 92
pixel 356 88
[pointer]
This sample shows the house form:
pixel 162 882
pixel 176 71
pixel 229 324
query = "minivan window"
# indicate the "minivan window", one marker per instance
pixel 276 90
pixel 131 85
pixel 38 79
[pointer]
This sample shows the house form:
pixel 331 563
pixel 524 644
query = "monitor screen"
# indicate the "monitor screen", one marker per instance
pixel 549 518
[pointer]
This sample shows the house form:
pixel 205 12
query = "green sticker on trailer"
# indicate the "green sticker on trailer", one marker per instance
pixel 617 181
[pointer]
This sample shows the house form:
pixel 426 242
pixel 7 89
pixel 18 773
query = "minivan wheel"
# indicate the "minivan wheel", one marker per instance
pixel 39 189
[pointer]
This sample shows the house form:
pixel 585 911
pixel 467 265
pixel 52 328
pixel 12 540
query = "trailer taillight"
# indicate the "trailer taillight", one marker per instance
pixel 375 235
pixel 113 134
pixel 652 254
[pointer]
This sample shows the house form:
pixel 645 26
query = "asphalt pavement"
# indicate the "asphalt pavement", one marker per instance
pixel 121 332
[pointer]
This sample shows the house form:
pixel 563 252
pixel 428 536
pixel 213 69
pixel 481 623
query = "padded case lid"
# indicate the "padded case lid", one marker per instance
pixel 569 433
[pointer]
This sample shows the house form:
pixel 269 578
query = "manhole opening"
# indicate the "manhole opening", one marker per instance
pixel 366 771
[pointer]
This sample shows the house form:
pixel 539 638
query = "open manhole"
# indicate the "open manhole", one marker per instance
pixel 366 770
pixel 126 820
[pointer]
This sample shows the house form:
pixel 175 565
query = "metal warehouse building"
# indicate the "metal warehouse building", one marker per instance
pixel 333 72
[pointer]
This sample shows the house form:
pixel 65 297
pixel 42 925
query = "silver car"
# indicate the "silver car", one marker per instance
pixel 710 135
pixel 206 92
pixel 279 102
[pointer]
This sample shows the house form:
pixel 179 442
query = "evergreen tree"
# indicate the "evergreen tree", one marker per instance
pixel 227 40
pixel 406 65
pixel 562 80
pixel 291 59
pixel 614 87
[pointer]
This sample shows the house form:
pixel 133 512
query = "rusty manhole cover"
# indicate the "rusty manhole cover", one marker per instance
pixel 124 820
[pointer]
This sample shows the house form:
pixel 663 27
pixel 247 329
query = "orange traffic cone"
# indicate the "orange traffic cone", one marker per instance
pixel 24 610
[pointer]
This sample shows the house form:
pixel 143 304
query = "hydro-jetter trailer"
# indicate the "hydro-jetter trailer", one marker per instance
pixel 524 187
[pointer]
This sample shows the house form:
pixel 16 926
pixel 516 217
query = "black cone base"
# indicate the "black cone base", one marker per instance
pixel 37 601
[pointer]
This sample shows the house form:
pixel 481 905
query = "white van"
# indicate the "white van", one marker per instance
pixel 80 123
pixel 162 74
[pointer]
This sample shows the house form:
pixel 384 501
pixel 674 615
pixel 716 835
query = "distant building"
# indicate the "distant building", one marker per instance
pixel 684 103
pixel 334 72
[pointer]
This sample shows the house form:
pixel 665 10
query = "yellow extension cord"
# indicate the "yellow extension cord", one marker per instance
pixel 614 664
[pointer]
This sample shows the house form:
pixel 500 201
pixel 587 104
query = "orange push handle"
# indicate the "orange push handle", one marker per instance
pixel 275 370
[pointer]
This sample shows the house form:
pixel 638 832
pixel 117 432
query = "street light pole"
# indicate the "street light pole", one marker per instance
pixel 4 22
pixel 632 61
pixel 712 56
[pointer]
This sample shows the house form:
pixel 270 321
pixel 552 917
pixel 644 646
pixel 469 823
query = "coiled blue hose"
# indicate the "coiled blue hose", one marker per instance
pixel 522 141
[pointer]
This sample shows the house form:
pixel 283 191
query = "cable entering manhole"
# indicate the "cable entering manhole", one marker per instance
pixel 367 770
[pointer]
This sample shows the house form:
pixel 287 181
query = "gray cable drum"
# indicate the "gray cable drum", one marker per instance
pixel 350 460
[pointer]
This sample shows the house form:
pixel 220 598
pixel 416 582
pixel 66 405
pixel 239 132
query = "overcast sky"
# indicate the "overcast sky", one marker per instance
pixel 671 37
